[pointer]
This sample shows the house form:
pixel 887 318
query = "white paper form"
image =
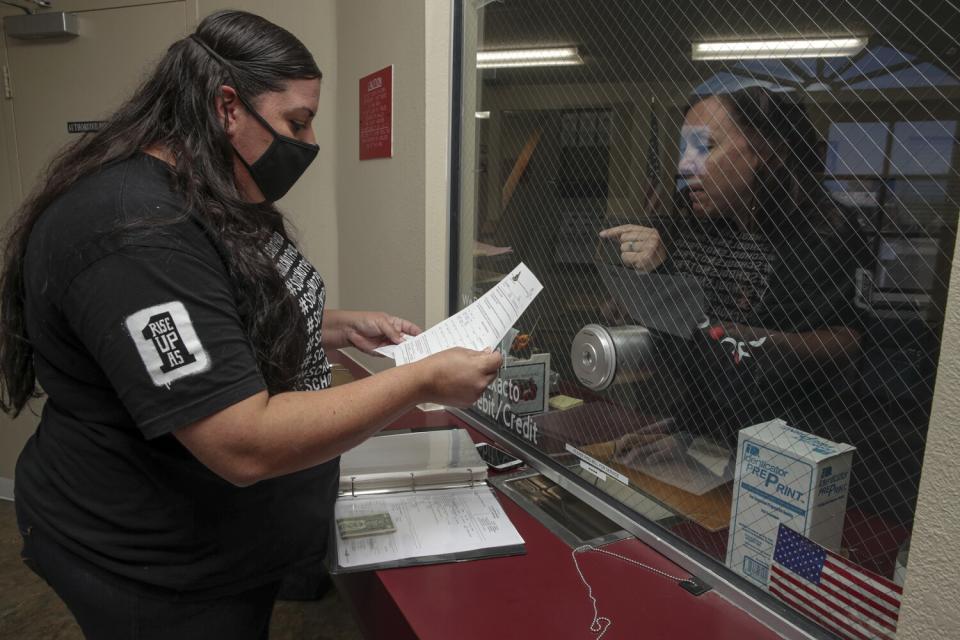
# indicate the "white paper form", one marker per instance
pixel 429 523
pixel 704 467
pixel 481 325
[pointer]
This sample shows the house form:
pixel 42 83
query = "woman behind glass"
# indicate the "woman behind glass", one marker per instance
pixel 777 261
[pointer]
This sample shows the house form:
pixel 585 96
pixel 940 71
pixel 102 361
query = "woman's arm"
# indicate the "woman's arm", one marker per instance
pixel 365 330
pixel 267 436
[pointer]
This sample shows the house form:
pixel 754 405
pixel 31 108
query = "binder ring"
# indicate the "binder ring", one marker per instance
pixel 353 486
pixel 471 477
pixel 413 482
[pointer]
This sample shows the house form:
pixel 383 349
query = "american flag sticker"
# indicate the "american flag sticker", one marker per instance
pixel 851 602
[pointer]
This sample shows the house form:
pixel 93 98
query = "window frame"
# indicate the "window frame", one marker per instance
pixel 768 610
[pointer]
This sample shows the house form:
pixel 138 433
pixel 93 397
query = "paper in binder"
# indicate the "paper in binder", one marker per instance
pixel 432 484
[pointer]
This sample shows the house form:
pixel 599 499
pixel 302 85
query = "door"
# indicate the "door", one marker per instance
pixel 84 78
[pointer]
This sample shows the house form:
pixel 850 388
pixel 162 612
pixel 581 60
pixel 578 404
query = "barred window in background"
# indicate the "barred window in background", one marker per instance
pixel 745 249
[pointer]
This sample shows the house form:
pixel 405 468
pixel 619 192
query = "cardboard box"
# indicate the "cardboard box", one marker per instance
pixel 784 475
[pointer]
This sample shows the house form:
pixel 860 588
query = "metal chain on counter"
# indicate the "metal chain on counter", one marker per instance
pixel 601 624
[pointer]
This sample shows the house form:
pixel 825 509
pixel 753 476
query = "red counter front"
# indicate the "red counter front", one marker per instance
pixel 540 594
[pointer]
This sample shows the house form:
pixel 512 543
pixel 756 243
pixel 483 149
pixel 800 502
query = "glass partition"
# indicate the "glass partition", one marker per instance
pixel 743 215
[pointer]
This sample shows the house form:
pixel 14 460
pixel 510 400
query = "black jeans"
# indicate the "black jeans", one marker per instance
pixel 110 608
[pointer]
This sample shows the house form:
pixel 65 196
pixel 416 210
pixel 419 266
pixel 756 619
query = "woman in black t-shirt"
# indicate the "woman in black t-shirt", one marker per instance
pixel 776 260
pixel 188 451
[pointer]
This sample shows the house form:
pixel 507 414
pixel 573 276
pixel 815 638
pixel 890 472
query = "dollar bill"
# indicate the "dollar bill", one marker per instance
pixel 370 524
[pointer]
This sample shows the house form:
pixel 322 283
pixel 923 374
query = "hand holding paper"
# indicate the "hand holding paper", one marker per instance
pixel 480 326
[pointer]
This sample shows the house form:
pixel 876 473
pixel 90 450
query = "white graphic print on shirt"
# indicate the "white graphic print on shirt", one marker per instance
pixel 306 285
pixel 167 342
pixel 733 269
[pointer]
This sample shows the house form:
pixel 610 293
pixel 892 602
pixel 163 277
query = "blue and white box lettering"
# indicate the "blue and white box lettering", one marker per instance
pixel 784 476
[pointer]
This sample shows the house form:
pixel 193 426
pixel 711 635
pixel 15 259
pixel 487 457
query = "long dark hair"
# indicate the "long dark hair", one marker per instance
pixel 796 183
pixel 174 109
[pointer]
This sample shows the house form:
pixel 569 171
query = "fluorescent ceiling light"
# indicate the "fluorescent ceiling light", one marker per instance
pixel 504 58
pixel 483 115
pixel 799 48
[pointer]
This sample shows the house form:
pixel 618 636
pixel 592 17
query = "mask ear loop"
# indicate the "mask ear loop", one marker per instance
pixel 226 67
pixel 213 54
pixel 246 105
pixel 229 70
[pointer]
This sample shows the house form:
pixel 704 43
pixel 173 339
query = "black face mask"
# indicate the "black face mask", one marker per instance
pixel 282 164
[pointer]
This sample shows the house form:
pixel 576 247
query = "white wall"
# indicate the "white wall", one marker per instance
pixel 930 594
pixel 437 106
pixel 392 222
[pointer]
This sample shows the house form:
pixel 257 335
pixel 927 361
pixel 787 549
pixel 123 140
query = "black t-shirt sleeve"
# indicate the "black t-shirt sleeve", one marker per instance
pixel 814 286
pixel 163 325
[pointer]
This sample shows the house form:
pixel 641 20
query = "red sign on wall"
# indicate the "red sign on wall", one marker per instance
pixel 376 115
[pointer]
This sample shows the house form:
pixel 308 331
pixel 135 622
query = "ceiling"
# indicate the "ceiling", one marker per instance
pixel 637 40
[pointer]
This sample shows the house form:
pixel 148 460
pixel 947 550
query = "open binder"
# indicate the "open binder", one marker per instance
pixel 432 483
